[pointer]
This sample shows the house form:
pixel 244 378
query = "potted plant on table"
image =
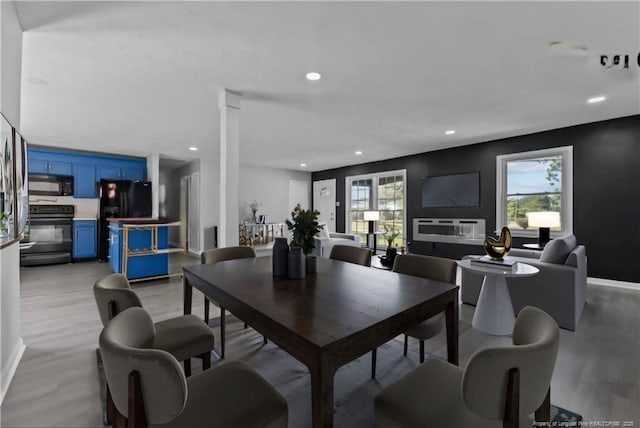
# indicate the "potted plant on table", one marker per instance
pixel 304 226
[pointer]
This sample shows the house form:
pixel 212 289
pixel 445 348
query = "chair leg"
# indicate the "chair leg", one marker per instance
pixel 543 413
pixel 119 421
pixel 137 417
pixel 222 332
pixel 374 357
pixel 111 408
pixel 206 360
pixel 421 351
pixel 264 340
pixel 187 367
pixel 406 344
pixel 512 402
pixel 206 311
pixel 246 326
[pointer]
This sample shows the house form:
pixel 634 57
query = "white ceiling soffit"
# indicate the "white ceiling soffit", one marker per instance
pixel 142 77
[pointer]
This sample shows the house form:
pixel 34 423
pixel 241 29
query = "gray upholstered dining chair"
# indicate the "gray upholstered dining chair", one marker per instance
pixel 183 337
pixel 428 267
pixel 219 255
pixel 149 388
pixel 500 387
pixel 347 253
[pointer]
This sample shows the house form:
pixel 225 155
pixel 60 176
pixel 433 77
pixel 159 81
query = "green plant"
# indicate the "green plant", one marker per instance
pixel 304 226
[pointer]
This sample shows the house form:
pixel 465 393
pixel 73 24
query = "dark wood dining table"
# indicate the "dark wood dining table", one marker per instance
pixel 328 318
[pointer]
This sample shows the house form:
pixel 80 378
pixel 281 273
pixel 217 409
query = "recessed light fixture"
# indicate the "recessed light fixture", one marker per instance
pixel 193 149
pixel 358 152
pixel 597 99
pixel 450 132
pixel 303 165
pixel 313 76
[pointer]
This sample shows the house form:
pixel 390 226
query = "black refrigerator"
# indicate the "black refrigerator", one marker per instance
pixel 124 199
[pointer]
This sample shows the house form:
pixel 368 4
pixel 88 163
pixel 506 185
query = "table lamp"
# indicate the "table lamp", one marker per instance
pixel 544 220
pixel 371 217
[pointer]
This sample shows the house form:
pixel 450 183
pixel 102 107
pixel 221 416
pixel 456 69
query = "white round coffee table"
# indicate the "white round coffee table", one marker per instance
pixel 494 311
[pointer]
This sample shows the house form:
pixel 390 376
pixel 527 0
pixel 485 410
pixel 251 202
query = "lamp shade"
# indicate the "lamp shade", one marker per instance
pixel 372 215
pixel 544 218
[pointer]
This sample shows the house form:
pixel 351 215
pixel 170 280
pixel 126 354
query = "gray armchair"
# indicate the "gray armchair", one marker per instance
pixel 325 240
pixel 560 288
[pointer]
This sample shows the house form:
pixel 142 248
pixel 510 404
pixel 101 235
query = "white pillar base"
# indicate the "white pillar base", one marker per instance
pixel 494 311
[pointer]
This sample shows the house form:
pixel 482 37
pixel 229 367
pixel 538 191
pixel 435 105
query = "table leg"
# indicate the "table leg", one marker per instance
pixel 187 291
pixel 452 322
pixel 322 394
pixel 494 311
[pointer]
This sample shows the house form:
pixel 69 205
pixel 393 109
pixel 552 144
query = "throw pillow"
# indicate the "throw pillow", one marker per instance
pixel 324 233
pixel 557 250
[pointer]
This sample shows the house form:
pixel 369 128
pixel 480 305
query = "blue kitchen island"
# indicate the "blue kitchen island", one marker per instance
pixel 139 247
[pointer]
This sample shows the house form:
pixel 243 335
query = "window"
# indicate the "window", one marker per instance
pixel 383 192
pixel 540 180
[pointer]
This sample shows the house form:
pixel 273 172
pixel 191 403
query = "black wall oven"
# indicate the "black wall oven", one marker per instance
pixel 48 239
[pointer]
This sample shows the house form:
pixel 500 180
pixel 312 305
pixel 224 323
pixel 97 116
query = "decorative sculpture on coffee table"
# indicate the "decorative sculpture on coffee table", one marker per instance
pixel 498 248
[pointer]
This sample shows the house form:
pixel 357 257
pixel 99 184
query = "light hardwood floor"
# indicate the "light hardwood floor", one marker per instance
pixel 597 373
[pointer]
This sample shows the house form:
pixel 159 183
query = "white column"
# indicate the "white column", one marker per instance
pixel 153 175
pixel 229 104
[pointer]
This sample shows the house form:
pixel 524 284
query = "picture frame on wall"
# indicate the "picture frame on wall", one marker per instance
pixel 14 187
pixel 6 179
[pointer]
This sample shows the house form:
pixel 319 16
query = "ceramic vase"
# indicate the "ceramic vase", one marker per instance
pixel 297 263
pixel 312 264
pixel 280 257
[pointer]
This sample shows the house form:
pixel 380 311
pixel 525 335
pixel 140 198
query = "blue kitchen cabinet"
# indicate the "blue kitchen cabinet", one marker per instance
pixel 109 173
pixel 84 239
pixel 37 166
pixel 43 166
pixel 84 176
pixel 132 173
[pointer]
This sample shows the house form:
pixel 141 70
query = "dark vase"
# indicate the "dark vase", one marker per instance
pixel 297 263
pixel 391 255
pixel 312 264
pixel 281 257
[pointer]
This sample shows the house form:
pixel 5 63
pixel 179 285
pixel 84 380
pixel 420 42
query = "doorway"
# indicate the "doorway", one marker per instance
pixel 324 200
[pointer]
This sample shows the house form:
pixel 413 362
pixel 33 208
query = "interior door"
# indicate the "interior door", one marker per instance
pixel 324 200
pixel 194 213
pixel 184 212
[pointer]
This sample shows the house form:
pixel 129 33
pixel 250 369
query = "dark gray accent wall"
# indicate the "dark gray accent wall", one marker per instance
pixel 606 190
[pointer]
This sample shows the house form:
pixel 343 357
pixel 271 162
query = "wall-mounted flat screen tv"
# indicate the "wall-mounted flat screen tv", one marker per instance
pixel 456 190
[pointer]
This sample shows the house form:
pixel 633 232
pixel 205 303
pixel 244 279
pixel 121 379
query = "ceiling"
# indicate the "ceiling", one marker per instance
pixel 143 77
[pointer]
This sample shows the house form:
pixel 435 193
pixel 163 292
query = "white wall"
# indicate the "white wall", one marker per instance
pixel 209 200
pixel 10 62
pixel 11 346
pixel 270 187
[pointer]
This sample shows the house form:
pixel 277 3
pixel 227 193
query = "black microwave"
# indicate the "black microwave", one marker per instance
pixel 50 185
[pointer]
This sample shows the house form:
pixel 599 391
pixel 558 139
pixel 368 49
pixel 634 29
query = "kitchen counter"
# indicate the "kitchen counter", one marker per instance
pixel 141 220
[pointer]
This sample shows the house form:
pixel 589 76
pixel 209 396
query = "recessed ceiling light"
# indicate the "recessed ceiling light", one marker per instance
pixel 358 152
pixel 450 132
pixel 193 149
pixel 303 165
pixel 313 76
pixel 568 49
pixel 597 99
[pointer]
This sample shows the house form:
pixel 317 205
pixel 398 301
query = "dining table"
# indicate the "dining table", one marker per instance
pixel 329 318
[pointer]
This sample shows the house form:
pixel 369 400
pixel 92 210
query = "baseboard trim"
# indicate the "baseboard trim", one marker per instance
pixel 613 283
pixel 12 367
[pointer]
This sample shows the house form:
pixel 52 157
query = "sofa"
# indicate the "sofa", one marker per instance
pixel 560 288
pixel 325 241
